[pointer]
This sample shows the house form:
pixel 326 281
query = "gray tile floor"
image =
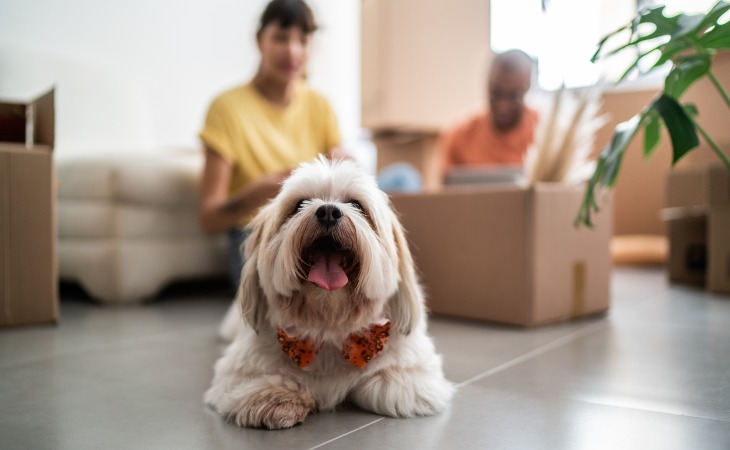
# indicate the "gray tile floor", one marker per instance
pixel 654 373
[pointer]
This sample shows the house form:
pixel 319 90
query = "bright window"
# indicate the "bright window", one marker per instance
pixel 563 38
pixel 684 6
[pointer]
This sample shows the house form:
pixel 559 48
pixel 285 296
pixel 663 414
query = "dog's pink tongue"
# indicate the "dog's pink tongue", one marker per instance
pixel 326 271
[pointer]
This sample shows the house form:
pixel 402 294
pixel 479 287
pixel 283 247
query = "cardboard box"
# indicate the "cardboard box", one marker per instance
pixel 508 254
pixel 687 247
pixel 417 148
pixel 409 80
pixel 718 256
pixel 698 218
pixel 28 281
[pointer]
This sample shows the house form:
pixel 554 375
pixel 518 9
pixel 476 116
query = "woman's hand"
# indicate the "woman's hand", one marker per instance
pixel 218 211
pixel 254 195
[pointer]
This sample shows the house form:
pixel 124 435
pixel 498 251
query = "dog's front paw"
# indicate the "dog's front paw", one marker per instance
pixel 273 408
pixel 404 393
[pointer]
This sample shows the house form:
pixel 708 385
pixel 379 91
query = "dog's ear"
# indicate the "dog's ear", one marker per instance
pixel 250 294
pixel 406 305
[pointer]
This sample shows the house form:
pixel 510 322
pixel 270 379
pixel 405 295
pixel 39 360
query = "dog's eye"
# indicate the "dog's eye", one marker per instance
pixel 356 204
pixel 299 206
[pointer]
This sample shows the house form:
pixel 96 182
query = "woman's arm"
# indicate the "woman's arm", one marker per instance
pixel 221 212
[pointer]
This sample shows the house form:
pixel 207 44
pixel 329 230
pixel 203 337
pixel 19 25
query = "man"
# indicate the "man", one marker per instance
pixel 501 135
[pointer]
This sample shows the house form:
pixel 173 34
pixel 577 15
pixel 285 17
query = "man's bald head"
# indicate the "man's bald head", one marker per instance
pixel 513 61
pixel 509 81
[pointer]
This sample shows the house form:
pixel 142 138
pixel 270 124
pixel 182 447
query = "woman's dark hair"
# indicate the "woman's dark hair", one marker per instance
pixel 288 13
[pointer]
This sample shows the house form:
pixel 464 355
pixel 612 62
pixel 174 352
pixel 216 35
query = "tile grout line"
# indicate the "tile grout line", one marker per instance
pixel 92 348
pixel 581 332
pixel 646 410
pixel 348 433
pixel 538 351
pixel 545 348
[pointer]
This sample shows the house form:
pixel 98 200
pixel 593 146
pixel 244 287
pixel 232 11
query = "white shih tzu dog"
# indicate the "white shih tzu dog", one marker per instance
pixel 332 309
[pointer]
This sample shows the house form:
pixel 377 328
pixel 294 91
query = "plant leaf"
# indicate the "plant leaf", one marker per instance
pixel 605 39
pixel 663 26
pixel 589 203
pixel 633 65
pixel 613 154
pixel 671 49
pixel 631 43
pixel 715 13
pixel 652 128
pixel 630 69
pixel 691 110
pixel 717 38
pixel 681 128
pixel 688 24
pixel 685 73
pixel 698 36
pixel 607 167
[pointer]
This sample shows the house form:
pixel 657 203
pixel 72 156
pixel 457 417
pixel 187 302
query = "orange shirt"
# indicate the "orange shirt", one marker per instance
pixel 476 142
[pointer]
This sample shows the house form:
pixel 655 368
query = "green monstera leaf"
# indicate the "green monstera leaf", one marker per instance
pixel 686 41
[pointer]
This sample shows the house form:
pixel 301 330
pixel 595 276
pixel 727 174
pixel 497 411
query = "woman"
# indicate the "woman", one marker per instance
pixel 255 134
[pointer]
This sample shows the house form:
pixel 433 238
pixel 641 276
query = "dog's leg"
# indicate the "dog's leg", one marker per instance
pixel 232 321
pixel 404 392
pixel 269 401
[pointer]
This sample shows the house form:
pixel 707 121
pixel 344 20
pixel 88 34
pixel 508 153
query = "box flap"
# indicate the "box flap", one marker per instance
pixel 12 122
pixel 30 123
pixel 43 119
pixel 684 212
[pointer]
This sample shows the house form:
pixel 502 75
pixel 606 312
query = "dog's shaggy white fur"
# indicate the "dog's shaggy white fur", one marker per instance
pixel 256 384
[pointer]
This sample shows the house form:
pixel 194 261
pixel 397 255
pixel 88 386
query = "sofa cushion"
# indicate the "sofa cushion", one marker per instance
pixel 131 270
pixel 170 179
pixel 94 219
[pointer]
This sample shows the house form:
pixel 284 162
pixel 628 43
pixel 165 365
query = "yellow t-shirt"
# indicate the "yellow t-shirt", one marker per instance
pixel 259 138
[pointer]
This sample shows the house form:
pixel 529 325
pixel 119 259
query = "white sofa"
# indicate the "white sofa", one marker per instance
pixel 128 226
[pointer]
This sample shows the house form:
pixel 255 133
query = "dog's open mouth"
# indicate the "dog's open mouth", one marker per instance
pixel 329 263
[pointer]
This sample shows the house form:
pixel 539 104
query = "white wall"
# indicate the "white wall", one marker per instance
pixel 139 74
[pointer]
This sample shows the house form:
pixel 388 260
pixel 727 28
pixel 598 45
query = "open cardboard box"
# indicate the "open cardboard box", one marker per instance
pixel 698 218
pixel 509 254
pixel 419 148
pixel 28 281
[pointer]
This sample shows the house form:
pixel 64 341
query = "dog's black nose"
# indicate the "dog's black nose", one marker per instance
pixel 328 215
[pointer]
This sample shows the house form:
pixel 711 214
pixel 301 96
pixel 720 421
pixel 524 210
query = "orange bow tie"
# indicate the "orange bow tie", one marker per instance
pixel 359 349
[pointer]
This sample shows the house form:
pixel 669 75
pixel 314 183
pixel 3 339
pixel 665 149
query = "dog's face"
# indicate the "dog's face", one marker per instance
pixel 328 252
